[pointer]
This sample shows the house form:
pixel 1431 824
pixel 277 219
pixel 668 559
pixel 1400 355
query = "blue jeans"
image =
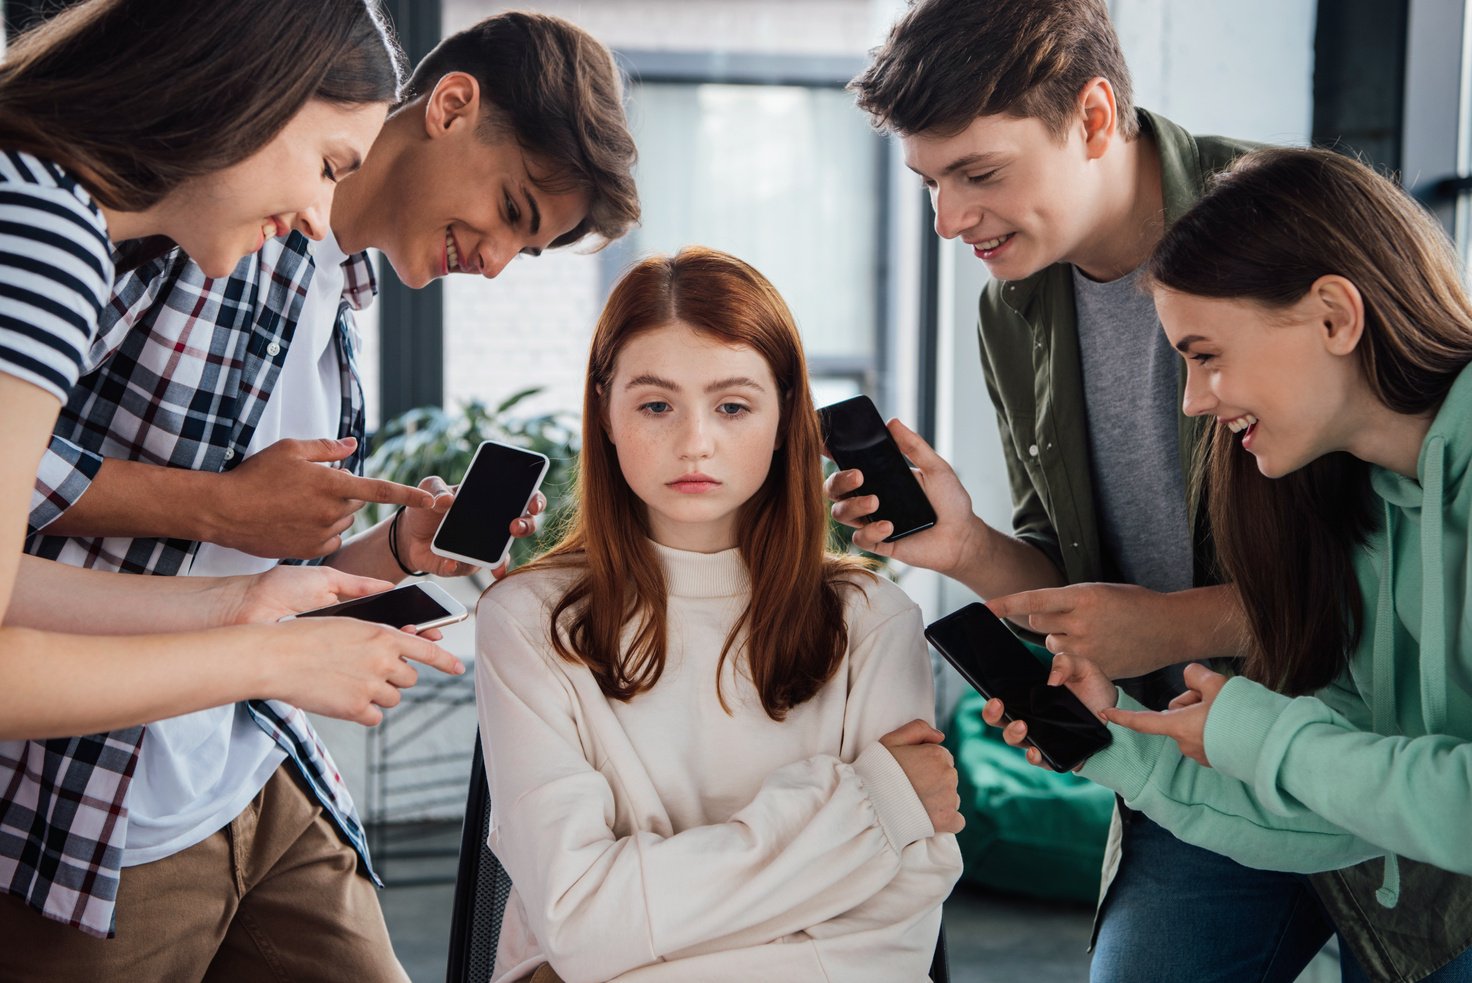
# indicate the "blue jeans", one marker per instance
pixel 1180 912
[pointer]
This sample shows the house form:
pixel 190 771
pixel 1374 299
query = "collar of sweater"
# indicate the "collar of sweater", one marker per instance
pixel 688 574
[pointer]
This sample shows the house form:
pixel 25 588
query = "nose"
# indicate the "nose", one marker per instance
pixel 953 215
pixel 696 441
pixel 314 220
pixel 491 257
pixel 1198 400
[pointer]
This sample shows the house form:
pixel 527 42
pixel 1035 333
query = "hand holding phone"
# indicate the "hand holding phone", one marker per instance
pixel 857 438
pixel 998 665
pixel 497 488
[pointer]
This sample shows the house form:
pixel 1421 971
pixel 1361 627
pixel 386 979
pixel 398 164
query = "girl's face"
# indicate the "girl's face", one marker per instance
pixel 694 422
pixel 1285 381
pixel 288 184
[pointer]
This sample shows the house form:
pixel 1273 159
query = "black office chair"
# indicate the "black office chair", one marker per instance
pixel 482 887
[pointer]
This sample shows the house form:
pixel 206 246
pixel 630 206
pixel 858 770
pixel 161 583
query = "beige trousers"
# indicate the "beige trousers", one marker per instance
pixel 274 896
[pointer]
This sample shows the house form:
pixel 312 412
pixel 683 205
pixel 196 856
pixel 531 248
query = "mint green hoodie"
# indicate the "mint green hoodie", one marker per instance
pixel 1375 765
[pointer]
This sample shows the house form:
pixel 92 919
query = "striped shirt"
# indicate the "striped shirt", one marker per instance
pixel 55 272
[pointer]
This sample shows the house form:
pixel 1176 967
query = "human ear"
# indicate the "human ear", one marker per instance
pixel 1099 116
pixel 603 414
pixel 1340 311
pixel 454 102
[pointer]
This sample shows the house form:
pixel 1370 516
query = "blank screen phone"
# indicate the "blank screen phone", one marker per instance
pixel 997 664
pixel 857 438
pixel 421 605
pixel 497 487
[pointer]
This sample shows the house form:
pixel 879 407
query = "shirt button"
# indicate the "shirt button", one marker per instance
pixel 273 349
pixel 229 453
pixel 1033 450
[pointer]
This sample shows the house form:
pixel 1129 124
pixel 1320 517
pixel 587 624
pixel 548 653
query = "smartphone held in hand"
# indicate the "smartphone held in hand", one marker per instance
pixel 422 605
pixel 989 657
pixel 496 489
pixel 856 437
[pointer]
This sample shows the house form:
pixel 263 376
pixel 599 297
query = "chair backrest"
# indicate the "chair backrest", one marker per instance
pixel 482 887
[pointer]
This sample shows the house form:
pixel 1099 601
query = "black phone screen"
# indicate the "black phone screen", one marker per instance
pixel 992 659
pixel 857 438
pixel 495 490
pixel 396 608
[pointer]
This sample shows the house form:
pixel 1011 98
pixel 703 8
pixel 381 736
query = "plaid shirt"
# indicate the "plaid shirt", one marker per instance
pixel 178 376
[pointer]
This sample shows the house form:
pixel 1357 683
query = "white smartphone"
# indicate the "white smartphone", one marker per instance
pixel 496 489
pixel 422 605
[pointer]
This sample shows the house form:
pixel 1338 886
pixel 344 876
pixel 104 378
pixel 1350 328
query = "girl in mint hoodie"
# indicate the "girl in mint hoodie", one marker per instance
pixel 1326 328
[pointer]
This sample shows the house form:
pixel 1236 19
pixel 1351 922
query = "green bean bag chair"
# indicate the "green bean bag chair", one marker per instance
pixel 1028 830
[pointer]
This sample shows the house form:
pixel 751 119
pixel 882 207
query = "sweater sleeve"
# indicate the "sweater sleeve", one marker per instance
pixel 1407 795
pixel 818 834
pixel 1210 808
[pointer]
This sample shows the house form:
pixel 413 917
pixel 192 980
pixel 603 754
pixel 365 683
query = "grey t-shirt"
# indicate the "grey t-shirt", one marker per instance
pixel 1129 374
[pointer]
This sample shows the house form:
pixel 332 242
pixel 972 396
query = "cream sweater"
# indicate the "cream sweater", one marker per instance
pixel 663 839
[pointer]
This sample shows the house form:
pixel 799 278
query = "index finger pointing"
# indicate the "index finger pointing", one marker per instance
pixel 1046 600
pixel 419 650
pixel 385 492
pixel 1142 721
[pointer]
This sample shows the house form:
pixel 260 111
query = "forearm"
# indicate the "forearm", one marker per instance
pixel 1206 623
pixel 998 564
pixel 134 499
pixel 59 685
pixel 51 596
pixel 367 554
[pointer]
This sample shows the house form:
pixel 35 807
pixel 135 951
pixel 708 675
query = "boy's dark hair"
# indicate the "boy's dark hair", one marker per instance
pixel 556 90
pixel 946 62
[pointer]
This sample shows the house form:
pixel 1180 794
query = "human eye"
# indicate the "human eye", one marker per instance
pixel 1201 358
pixel 654 407
pixel 513 214
pixel 327 170
pixel 982 178
pixel 733 409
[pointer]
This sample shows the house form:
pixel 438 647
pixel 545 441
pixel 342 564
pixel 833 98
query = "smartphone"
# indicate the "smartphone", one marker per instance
pixel 496 489
pixel 857 438
pixel 995 662
pixel 422 605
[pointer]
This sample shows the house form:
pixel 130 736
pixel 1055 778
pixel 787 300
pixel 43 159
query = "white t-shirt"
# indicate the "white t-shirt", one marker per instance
pixel 198 771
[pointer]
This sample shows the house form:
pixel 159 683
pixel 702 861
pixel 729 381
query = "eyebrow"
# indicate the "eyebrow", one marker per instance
pixel 1188 341
pixel 735 382
pixel 988 159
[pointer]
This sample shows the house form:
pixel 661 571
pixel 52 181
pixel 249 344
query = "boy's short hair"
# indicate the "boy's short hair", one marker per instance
pixel 946 62
pixel 557 91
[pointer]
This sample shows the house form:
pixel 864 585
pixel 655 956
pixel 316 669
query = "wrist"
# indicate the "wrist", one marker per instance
pixel 209 521
pixel 976 553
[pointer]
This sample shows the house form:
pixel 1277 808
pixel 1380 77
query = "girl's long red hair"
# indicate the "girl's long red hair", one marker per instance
pixel 792 632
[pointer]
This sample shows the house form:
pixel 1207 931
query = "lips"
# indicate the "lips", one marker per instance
pixel 989 248
pixel 694 484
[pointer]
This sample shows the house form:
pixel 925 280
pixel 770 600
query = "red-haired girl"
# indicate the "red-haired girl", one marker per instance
pixel 709 739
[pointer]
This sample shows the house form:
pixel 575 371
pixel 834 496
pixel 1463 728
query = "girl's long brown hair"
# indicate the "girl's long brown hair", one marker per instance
pixel 137 96
pixel 1271 226
pixel 792 632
